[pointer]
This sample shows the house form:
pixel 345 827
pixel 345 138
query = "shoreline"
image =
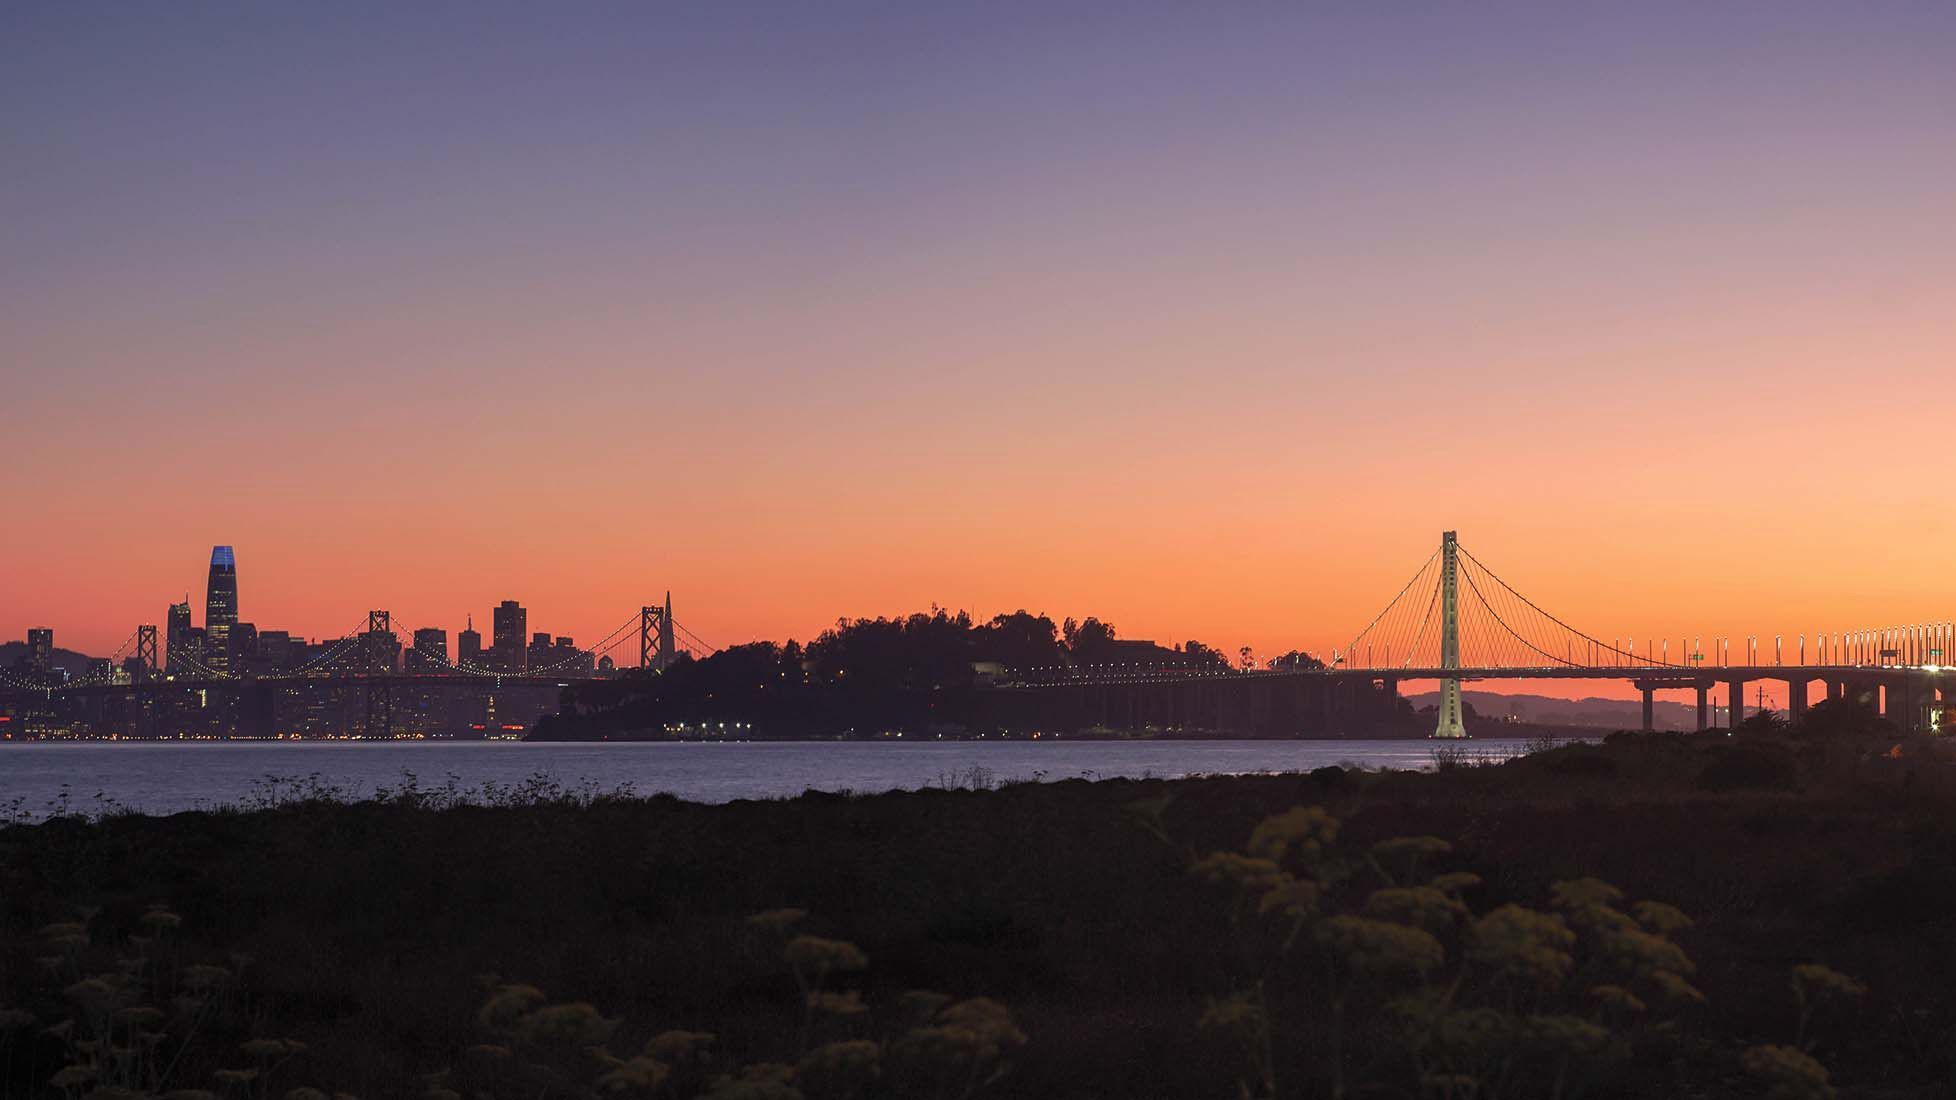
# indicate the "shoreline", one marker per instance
pixel 1558 735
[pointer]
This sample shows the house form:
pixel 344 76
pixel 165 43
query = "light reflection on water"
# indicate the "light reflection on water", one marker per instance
pixel 164 778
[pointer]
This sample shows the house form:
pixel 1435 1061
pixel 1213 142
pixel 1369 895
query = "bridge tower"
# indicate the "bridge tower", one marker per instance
pixel 380 670
pixel 1450 724
pixel 146 651
pixel 655 643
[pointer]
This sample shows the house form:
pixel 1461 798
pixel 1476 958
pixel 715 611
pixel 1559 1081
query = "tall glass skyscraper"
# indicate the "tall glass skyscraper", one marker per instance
pixel 220 609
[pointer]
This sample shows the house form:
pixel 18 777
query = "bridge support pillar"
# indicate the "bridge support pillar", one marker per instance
pixel 1796 699
pixel 1868 692
pixel 1735 699
pixel 1907 702
pixel 1650 721
pixel 1836 690
pixel 655 636
pixel 1704 694
pixel 1450 724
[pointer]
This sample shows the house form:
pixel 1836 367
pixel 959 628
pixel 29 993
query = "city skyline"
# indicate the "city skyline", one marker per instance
pixel 1201 324
pixel 238 646
pixel 1456 621
pixel 230 645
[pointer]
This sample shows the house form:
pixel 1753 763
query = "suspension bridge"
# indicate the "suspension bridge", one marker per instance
pixel 364 683
pixel 1457 621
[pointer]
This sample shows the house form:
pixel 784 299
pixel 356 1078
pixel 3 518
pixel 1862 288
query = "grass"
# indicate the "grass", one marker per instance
pixel 365 932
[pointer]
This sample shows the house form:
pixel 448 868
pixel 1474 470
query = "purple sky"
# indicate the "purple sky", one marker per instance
pixel 1204 318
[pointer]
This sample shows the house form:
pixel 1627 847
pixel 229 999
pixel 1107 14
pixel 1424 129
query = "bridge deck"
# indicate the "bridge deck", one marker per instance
pixel 1656 674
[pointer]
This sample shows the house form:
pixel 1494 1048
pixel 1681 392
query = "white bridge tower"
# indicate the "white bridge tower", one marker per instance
pixel 1450 724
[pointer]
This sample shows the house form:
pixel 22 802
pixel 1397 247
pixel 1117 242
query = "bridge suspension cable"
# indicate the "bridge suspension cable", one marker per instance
pixel 344 645
pixel 703 647
pixel 102 675
pixel 1390 623
pixel 1519 602
pixel 1496 626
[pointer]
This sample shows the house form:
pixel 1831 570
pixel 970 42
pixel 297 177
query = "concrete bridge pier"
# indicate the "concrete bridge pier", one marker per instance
pixel 1372 703
pixel 1908 701
pixel 1864 693
pixel 1796 699
pixel 1735 697
pixel 1650 719
pixel 1704 694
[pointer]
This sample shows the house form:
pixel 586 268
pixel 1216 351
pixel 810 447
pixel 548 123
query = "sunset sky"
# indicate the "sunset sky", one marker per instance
pixel 1205 319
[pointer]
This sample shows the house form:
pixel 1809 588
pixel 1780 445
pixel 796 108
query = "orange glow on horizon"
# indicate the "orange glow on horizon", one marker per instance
pixel 1206 327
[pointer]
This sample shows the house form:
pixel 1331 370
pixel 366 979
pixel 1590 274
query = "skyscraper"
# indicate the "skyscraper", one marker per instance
pixel 177 637
pixel 39 658
pixel 220 609
pixel 539 653
pixel 430 653
pixel 275 649
pixel 468 646
pixel 507 636
pixel 243 648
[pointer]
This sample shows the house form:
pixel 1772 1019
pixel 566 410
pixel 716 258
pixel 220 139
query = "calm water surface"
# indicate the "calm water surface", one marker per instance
pixel 163 778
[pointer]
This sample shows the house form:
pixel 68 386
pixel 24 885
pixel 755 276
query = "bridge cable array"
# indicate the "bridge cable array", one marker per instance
pixel 1497 626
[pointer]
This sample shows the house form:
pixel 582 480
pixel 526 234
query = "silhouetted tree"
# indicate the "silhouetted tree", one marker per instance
pixel 1843 718
pixel 921 651
pixel 1766 723
pixel 1297 661
pixel 1196 655
pixel 1089 642
pixel 1019 640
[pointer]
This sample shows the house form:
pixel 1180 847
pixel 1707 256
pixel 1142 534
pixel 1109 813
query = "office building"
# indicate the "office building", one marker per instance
pixel 507 636
pixel 176 637
pixel 275 650
pixel 220 609
pixel 468 646
pixel 243 646
pixel 567 660
pixel 540 655
pixel 39 658
pixel 430 653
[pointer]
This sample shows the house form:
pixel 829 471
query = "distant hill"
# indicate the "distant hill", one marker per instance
pixel 76 664
pixel 1610 714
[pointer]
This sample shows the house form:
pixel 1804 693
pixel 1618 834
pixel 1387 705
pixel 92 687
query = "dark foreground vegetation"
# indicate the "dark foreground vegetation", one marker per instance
pixel 1659 915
